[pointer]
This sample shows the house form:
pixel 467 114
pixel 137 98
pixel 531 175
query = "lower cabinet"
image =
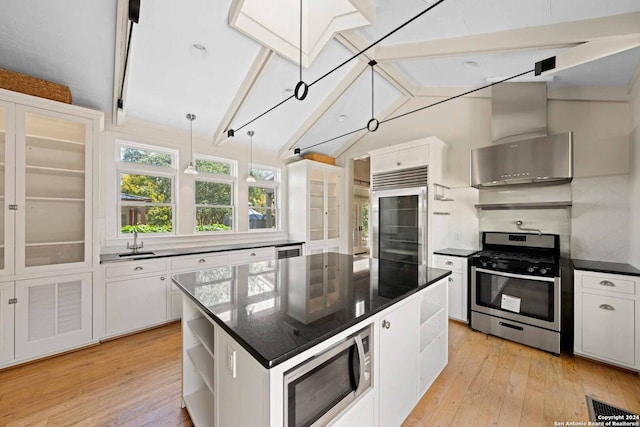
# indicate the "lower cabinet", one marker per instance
pixel 398 354
pixel 135 303
pixel 607 318
pixel 52 314
pixel 458 284
pixel 7 309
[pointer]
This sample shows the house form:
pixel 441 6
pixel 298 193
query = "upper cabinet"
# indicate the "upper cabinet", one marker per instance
pixel 314 203
pixel 46 184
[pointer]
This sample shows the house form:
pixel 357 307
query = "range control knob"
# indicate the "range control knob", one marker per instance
pixel 484 263
pixel 543 270
pixel 530 269
pixel 494 265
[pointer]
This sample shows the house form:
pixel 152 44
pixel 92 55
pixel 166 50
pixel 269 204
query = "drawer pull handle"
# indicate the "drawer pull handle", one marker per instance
pixel 448 263
pixel 606 307
pixel 202 260
pixel 386 324
pixel 508 325
pixel 253 254
pixel 607 283
pixel 138 268
pixel 162 278
pixel 450 279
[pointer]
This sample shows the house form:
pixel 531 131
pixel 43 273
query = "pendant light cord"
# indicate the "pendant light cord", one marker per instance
pixel 372 63
pixel 300 40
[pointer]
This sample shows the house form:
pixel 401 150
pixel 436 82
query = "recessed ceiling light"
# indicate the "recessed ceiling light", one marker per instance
pixel 342 118
pixel 470 64
pixel 287 92
pixel 199 46
pixel 198 50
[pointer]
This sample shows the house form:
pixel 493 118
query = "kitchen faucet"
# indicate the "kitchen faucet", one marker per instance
pixel 134 248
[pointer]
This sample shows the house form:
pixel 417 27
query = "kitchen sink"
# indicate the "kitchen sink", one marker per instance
pixel 142 253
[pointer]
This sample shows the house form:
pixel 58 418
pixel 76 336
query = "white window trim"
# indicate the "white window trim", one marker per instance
pixel 139 169
pixel 218 178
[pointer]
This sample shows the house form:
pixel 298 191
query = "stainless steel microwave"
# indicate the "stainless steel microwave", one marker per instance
pixel 317 390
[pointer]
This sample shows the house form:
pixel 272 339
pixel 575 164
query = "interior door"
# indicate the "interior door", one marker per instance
pixel 360 227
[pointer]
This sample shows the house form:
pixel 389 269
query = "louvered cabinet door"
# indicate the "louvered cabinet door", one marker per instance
pixel 52 314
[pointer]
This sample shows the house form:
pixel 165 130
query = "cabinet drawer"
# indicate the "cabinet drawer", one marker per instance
pixel 203 261
pixel 135 268
pixel 609 283
pixel 449 263
pixel 252 255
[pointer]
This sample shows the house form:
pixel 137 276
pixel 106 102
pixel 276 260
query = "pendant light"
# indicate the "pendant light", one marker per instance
pixel 250 177
pixel 190 169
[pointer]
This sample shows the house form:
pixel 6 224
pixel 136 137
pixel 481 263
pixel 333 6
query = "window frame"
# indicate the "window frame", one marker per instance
pixel 221 179
pixel 275 185
pixel 124 167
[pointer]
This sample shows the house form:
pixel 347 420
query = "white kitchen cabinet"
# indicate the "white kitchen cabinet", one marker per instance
pixel 246 256
pixel 52 314
pixel 607 318
pixel 398 353
pixel 315 192
pixel 433 333
pixel 46 161
pixel 400 157
pixel 458 284
pixel 138 295
pixel 7 310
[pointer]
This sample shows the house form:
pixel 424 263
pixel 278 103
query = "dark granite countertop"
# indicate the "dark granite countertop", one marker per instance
pixel 278 309
pixel 463 253
pixel 605 267
pixel 163 253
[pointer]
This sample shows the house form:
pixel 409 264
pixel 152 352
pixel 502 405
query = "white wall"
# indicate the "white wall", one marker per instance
pixel 634 178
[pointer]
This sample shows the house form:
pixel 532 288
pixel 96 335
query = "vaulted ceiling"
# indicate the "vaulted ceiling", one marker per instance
pixel 186 58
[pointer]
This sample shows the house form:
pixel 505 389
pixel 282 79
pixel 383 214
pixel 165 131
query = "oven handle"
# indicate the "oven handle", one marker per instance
pixel 516 276
pixel 361 356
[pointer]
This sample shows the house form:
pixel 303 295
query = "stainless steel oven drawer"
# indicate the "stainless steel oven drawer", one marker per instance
pixel 515 331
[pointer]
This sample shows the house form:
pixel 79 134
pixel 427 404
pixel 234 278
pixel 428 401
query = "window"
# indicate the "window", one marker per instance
pixel 214 194
pixel 146 178
pixel 263 200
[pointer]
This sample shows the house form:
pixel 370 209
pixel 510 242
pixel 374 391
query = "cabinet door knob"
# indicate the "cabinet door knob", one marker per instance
pixel 162 278
pixel 138 268
pixel 202 260
pixel 607 283
pixel 253 254
pixel 450 279
pixel 448 263
pixel 386 324
pixel 606 307
pixel 398 163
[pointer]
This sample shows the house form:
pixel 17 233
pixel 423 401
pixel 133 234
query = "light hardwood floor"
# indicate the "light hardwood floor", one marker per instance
pixel 135 381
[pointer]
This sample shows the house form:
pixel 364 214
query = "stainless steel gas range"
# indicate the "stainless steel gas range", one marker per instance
pixel 515 288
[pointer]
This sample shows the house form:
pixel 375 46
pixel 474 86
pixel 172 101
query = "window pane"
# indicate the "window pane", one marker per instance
pixel 260 197
pixel 262 218
pixel 145 157
pixel 211 166
pixel 264 174
pixel 213 193
pixel 145 188
pixel 146 219
pixel 214 219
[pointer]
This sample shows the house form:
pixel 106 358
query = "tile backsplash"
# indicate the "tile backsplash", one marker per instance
pixel 600 218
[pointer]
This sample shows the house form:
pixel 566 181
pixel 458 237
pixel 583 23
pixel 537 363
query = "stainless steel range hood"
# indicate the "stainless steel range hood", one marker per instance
pixel 521 152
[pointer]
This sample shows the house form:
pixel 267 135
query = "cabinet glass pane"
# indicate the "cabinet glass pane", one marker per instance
pixel 316 205
pixel 333 204
pixel 54 190
pixel 2 183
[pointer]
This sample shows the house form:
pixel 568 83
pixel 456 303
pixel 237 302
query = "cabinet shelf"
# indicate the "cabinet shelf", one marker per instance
pixel 398 252
pixel 428 311
pixel 55 199
pixel 54 170
pixel 44 244
pixel 203 362
pixel 44 141
pixel 203 329
pixel 200 406
pixel 428 335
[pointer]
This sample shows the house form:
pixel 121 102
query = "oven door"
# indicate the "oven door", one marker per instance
pixel 528 299
pixel 319 389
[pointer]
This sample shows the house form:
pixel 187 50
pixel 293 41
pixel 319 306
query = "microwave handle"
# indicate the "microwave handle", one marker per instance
pixel 361 357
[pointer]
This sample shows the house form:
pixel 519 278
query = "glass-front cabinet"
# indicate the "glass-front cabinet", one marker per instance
pixel 314 204
pixel 45 190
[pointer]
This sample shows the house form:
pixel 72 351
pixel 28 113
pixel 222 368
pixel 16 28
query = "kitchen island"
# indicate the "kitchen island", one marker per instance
pixel 245 327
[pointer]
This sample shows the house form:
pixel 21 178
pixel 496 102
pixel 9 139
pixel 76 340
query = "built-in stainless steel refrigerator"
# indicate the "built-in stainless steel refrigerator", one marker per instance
pixel 399 216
